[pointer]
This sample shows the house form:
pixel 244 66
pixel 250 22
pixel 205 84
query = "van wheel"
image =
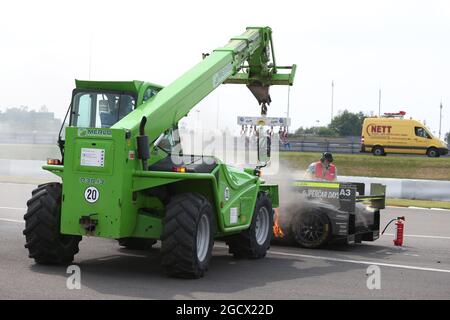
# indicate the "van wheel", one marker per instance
pixel 378 151
pixel 433 153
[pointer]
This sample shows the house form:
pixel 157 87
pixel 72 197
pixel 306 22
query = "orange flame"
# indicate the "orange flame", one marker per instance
pixel 277 231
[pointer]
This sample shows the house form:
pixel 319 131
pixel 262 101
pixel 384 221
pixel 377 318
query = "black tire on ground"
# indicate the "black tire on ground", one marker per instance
pixel 378 151
pixel 136 243
pixel 433 153
pixel 311 229
pixel 188 236
pixel 39 188
pixel 45 243
pixel 254 242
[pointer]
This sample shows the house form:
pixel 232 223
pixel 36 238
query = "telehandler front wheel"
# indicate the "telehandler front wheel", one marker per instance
pixel 45 243
pixel 188 236
pixel 254 242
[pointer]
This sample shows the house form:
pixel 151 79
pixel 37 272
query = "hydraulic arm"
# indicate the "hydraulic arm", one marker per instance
pixel 248 59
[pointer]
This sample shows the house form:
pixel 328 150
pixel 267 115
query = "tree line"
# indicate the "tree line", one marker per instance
pixel 345 124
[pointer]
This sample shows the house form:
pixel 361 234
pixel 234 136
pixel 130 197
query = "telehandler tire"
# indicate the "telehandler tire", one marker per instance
pixel 188 236
pixel 136 243
pixel 44 241
pixel 254 242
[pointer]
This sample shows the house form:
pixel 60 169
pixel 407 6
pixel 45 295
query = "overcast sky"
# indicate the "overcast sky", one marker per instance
pixel 402 47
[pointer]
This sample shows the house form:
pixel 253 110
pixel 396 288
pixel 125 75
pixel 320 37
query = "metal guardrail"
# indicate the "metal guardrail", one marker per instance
pixel 350 145
pixel 322 146
pixel 338 145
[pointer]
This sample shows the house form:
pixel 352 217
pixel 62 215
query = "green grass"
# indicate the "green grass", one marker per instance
pixel 420 167
pixel 418 203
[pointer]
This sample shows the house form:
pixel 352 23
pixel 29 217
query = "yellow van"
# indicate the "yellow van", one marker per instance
pixel 392 133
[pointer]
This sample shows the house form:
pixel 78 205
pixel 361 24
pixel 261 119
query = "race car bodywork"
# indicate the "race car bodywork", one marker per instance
pixel 327 212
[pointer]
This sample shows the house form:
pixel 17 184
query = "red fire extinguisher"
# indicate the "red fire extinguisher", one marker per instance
pixel 399 230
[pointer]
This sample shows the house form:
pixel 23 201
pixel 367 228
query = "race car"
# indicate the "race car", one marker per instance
pixel 320 213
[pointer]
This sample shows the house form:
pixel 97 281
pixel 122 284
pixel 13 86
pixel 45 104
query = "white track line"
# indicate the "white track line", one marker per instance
pixel 370 263
pixel 11 208
pixel 430 210
pixel 11 220
pixel 420 236
pixel 357 261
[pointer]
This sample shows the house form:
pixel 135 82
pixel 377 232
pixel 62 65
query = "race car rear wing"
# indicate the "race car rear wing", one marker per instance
pixel 377 196
pixel 343 195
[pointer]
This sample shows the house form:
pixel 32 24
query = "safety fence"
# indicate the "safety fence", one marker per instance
pixel 408 188
pixel 334 146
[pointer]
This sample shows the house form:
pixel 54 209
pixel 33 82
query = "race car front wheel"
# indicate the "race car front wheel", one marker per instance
pixel 311 229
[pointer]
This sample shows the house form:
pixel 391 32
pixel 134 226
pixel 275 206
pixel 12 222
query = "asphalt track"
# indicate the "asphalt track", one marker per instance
pixel 418 270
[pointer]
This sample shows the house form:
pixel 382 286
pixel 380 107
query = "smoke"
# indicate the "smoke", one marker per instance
pixel 293 204
pixel 364 215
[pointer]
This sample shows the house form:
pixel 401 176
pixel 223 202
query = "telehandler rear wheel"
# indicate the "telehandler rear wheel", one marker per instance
pixel 136 243
pixel 45 243
pixel 188 236
pixel 254 242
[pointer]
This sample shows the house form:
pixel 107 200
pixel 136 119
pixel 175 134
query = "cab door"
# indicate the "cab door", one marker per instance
pixel 421 140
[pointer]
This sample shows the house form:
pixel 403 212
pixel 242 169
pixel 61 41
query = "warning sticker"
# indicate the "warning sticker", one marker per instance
pixel 234 215
pixel 92 157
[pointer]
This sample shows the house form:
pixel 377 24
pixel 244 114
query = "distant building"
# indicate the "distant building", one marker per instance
pixel 20 125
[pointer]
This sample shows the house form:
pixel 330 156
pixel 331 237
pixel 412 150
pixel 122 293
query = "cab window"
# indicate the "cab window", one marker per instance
pixel 421 132
pixel 96 109
pixel 149 93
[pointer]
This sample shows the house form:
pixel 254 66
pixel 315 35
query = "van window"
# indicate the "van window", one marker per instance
pixel 421 132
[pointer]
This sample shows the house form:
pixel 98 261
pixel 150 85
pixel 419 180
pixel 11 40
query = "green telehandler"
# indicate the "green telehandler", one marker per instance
pixel 124 176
